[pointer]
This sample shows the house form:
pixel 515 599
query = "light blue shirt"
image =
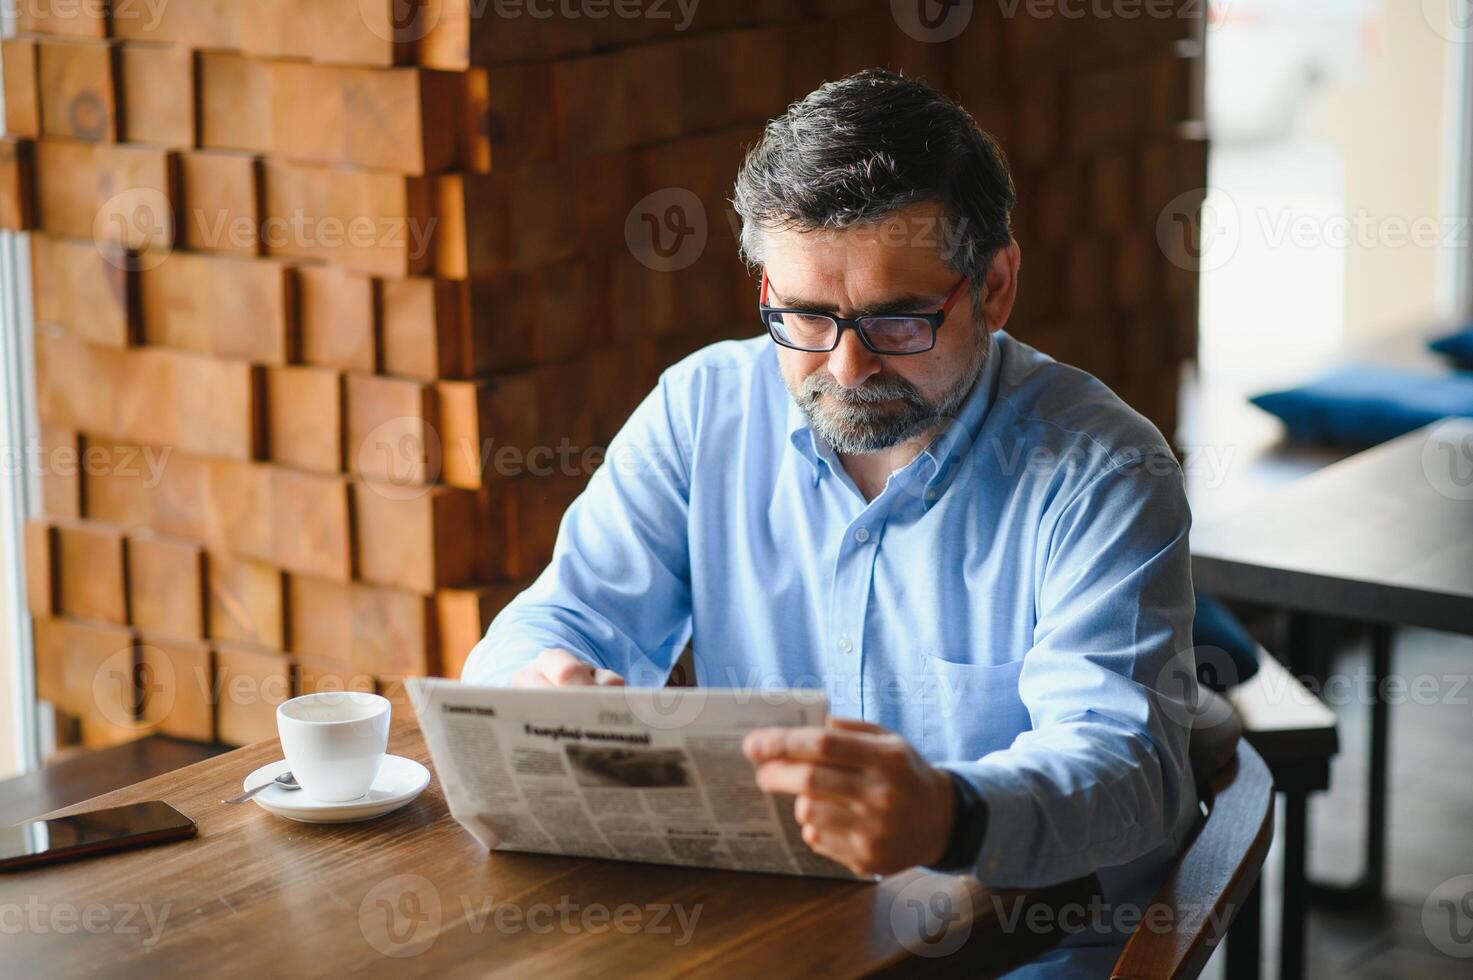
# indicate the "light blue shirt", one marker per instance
pixel 1011 601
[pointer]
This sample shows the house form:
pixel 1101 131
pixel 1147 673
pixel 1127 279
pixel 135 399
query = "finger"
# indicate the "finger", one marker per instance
pixel 793 778
pixel 562 669
pixel 828 746
pixel 858 725
pixel 793 742
pixel 529 676
pixel 604 677
pixel 826 812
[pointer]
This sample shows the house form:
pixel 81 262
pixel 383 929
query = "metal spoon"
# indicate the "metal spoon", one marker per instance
pixel 286 780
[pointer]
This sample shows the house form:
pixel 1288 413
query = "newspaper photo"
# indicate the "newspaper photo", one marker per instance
pixel 632 774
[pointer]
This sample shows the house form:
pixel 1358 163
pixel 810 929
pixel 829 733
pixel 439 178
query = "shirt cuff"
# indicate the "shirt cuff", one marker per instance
pixel 967 830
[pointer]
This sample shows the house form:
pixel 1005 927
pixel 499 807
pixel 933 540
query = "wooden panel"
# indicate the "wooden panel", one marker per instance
pixel 304 407
pixel 61 472
pixel 246 602
pixel 421 543
pixel 425 328
pixel 41 578
pixel 234 102
pixel 401 119
pixel 393 632
pixel 392 430
pixel 317 540
pixel 84 288
pixel 157 95
pixel 22 91
pixel 251 683
pixel 18 200
pixel 321 674
pixel 321 617
pixel 178 683
pixel 86 669
pixel 91 573
pixel 221 203
pixel 338 312
pixel 79 90
pixel 120 194
pixel 368 221
pixel 84 19
pixel 166 586
pixel 218 305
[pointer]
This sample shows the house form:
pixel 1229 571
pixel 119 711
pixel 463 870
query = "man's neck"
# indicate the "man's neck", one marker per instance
pixel 870 471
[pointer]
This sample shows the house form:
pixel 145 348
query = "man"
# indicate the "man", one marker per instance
pixel 979 553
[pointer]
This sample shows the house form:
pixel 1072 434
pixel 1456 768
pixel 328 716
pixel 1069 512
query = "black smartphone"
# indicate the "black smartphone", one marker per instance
pixel 118 828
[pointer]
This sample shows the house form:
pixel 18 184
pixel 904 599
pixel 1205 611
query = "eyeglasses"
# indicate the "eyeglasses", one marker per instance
pixel 892 334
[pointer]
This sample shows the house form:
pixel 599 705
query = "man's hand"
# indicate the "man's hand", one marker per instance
pixel 559 668
pixel 864 797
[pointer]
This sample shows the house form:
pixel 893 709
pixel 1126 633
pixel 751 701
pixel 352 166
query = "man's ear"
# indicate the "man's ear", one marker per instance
pixel 1001 290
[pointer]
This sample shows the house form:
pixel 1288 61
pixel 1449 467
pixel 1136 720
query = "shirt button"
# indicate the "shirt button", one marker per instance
pixel 845 644
pixel 862 535
pixel 932 494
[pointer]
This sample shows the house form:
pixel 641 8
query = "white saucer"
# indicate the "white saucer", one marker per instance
pixel 399 780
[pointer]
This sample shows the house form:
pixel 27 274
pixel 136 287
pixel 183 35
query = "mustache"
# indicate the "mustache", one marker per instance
pixel 874 391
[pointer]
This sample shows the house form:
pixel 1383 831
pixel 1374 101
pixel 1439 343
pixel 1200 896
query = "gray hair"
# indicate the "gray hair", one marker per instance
pixel 856 151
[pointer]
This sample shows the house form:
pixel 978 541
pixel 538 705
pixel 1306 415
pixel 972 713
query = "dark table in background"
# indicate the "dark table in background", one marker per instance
pixel 1384 538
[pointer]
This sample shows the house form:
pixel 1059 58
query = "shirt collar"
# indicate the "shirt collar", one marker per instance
pixel 938 463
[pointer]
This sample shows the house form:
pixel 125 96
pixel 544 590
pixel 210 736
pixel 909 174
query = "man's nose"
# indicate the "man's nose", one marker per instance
pixel 851 363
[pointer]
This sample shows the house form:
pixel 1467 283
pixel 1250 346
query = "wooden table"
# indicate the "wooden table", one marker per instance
pixel 1384 538
pixel 413 893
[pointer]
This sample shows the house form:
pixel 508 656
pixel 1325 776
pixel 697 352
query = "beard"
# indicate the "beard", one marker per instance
pixel 883 412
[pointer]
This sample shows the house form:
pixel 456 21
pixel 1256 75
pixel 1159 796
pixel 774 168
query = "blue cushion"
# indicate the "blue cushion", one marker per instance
pixel 1362 406
pixel 1226 655
pixel 1457 347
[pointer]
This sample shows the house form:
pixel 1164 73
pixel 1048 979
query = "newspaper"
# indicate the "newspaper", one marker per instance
pixel 632 774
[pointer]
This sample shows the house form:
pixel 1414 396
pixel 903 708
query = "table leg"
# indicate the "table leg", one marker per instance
pixel 1245 938
pixel 1291 938
pixel 1369 889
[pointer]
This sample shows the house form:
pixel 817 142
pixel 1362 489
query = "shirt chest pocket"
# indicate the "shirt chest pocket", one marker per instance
pixel 976 709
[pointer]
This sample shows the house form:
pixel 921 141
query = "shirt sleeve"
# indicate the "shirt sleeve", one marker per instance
pixel 617 591
pixel 1102 778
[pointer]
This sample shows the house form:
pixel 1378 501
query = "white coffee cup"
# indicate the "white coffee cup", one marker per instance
pixel 334 742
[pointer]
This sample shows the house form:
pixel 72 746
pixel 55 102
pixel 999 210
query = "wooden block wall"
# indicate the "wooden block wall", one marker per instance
pixel 334 308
